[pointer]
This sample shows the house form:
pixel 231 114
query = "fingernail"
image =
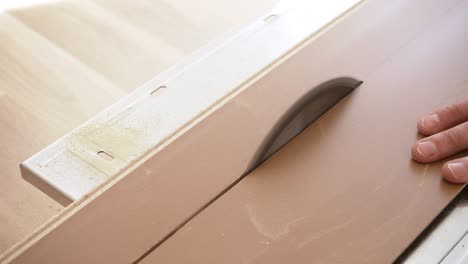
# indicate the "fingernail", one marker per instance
pixel 458 170
pixel 427 149
pixel 430 121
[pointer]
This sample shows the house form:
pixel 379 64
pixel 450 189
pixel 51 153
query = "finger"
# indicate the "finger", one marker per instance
pixel 444 118
pixel 456 171
pixel 441 145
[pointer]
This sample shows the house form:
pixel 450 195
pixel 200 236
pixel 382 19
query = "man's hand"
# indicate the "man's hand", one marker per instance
pixel 447 131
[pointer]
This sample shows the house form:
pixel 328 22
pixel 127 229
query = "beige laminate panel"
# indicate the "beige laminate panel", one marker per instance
pixel 345 190
pixel 44 93
pixel 140 207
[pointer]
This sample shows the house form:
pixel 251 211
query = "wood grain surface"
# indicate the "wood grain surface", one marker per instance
pixel 44 93
pixel 61 63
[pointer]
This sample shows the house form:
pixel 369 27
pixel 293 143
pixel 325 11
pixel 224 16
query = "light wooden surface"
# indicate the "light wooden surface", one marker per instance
pixel 62 63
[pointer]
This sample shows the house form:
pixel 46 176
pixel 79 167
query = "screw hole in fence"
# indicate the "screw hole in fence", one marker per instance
pixel 158 90
pixel 105 155
pixel 270 18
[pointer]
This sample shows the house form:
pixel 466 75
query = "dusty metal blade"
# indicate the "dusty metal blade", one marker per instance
pixel 302 113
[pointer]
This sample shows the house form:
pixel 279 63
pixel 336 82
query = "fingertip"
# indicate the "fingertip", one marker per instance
pixel 424 151
pixel 455 172
pixel 416 154
pixel 448 175
pixel 429 125
pixel 423 130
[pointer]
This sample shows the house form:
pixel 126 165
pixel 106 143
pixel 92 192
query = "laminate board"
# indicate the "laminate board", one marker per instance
pixel 346 189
